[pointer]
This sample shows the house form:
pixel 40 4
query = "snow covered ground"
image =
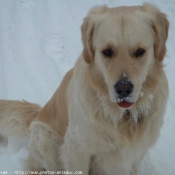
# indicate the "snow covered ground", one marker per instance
pixel 40 40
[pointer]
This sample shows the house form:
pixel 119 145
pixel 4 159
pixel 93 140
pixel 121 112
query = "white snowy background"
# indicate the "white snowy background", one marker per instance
pixel 40 41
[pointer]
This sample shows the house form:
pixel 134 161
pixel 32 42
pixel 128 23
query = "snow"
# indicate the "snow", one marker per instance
pixel 150 96
pixel 141 94
pixel 40 41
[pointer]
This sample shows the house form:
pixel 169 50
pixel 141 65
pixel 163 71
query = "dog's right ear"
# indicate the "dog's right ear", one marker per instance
pixel 87 30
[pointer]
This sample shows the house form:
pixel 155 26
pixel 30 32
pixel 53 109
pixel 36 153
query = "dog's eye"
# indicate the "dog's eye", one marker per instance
pixel 108 53
pixel 139 52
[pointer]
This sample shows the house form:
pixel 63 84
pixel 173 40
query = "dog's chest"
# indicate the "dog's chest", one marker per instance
pixel 118 162
pixel 115 150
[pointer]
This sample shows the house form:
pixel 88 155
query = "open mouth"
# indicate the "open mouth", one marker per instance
pixel 124 102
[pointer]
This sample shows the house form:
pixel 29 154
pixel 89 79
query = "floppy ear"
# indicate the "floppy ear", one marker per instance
pixel 160 25
pixel 87 30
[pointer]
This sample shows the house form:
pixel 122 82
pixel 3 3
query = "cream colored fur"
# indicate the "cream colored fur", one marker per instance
pixel 15 120
pixel 82 128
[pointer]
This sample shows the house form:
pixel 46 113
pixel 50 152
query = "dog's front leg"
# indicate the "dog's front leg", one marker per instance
pixel 75 158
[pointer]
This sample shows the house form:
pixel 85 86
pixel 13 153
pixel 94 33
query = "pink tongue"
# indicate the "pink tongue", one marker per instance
pixel 125 104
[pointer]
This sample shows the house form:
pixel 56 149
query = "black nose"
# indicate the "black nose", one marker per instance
pixel 123 88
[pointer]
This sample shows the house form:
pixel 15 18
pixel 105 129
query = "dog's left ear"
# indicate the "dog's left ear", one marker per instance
pixel 87 30
pixel 160 25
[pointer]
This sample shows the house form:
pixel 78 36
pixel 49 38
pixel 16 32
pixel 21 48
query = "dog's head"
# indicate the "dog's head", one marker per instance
pixel 123 46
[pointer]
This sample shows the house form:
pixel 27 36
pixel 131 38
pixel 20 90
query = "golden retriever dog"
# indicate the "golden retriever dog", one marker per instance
pixel 109 108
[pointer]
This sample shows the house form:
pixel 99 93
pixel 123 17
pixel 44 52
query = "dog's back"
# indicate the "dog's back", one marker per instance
pixel 16 116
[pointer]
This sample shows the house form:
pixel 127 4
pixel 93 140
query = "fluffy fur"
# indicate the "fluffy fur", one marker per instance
pixel 82 128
